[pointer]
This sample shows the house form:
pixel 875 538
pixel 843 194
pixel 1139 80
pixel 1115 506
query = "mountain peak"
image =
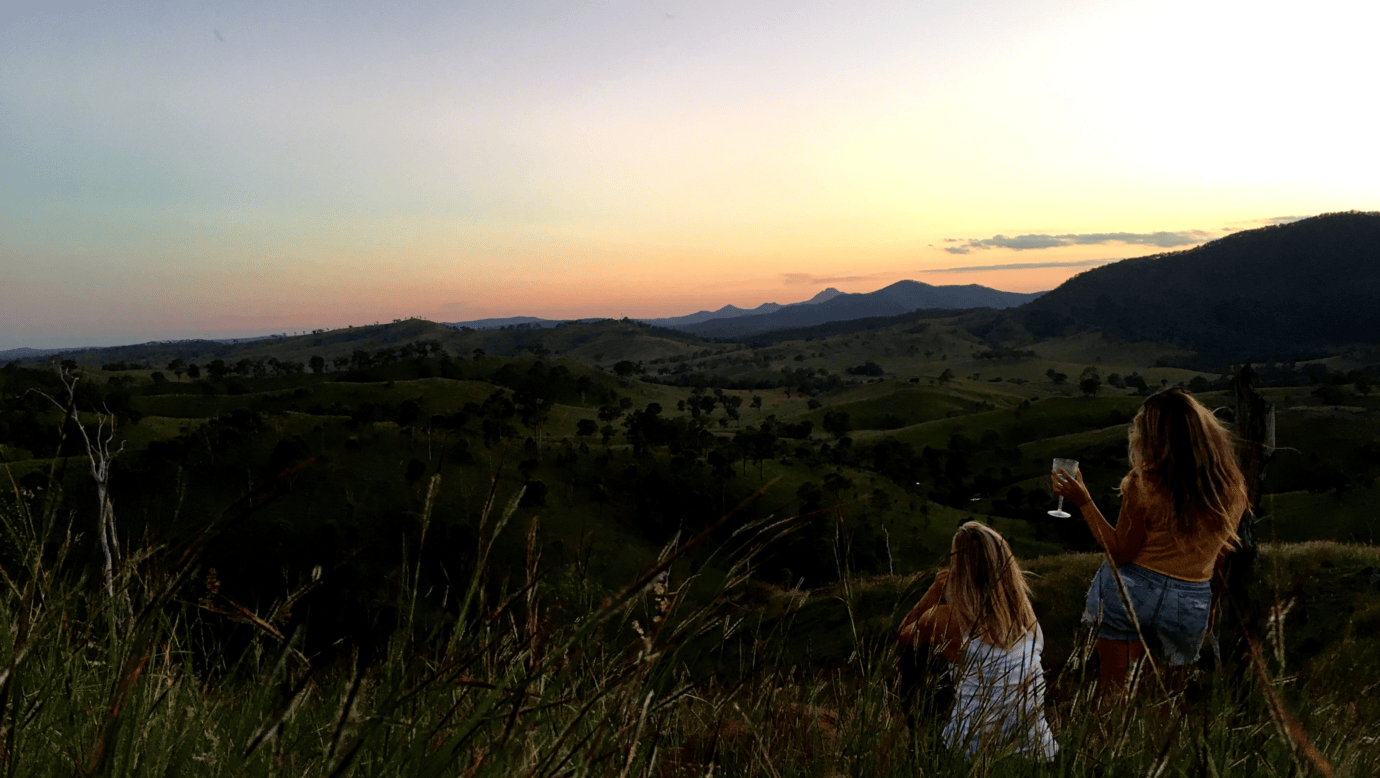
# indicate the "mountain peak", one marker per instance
pixel 827 294
pixel 898 298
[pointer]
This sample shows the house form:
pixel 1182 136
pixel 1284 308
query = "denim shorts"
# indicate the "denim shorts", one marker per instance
pixel 1173 614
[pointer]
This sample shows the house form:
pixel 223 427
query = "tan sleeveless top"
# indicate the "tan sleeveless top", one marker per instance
pixel 1152 543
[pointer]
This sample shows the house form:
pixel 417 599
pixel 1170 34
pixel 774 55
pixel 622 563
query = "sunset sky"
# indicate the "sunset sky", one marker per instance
pixel 198 168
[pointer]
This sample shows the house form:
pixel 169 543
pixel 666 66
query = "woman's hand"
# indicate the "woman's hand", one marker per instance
pixel 1071 488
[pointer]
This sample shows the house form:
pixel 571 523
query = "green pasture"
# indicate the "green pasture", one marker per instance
pixel 557 674
pixel 435 395
pixel 150 428
pixel 1350 516
pixel 1048 418
pixel 12 453
pixel 903 354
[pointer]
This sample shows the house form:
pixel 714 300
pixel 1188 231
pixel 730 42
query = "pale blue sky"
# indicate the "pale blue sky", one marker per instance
pixel 181 169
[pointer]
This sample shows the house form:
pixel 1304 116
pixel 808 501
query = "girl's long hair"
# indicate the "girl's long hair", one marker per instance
pixel 986 588
pixel 1185 459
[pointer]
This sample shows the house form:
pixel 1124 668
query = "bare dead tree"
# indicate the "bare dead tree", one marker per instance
pixel 100 456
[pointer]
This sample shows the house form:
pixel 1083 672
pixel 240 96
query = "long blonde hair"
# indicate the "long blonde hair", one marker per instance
pixel 986 589
pixel 1184 456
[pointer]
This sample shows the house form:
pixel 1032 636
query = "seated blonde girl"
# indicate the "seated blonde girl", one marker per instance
pixel 978 615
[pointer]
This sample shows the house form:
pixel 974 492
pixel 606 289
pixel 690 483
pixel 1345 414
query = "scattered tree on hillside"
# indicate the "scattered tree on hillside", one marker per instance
pixel 1089 382
pixel 1332 395
pixel 177 367
pixel 1004 353
pixel 868 368
pixel 409 412
pixel 837 483
pixel 880 500
pixel 731 404
pixel 318 364
pixel 837 423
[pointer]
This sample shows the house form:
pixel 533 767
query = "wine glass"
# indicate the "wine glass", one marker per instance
pixel 1069 466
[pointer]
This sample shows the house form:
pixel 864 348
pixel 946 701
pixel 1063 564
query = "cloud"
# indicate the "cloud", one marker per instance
pixel 1041 241
pixel 1268 222
pixel 1022 266
pixel 806 278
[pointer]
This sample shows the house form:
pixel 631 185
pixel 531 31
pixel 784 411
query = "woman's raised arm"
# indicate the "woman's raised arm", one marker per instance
pixel 1120 542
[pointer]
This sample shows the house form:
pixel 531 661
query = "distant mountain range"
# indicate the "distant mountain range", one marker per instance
pixel 507 321
pixel 1283 292
pixel 26 354
pixel 1292 291
pixel 733 311
pixel 901 297
pixel 677 322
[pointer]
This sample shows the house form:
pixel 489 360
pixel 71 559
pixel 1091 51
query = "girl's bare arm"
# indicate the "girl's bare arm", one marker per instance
pixel 933 596
pixel 1121 542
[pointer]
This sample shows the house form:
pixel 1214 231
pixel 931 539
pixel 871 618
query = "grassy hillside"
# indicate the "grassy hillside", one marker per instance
pixel 173 676
pixel 367 524
pixel 1213 298
pixel 939 431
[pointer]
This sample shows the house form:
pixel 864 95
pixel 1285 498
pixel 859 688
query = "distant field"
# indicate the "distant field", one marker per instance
pixel 1047 418
pixel 1352 516
pixel 992 441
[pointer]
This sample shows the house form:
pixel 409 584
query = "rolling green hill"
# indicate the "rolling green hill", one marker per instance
pixel 871 443
pixel 1282 292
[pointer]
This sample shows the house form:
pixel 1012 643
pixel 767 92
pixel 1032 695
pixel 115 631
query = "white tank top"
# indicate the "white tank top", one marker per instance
pixel 999 700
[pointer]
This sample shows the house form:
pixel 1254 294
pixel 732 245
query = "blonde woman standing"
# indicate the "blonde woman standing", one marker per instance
pixel 978 615
pixel 1180 507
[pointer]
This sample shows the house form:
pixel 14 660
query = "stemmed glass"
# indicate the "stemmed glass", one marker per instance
pixel 1066 466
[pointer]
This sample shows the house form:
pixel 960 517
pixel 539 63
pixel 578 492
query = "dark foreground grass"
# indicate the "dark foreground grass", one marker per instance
pixel 487 683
